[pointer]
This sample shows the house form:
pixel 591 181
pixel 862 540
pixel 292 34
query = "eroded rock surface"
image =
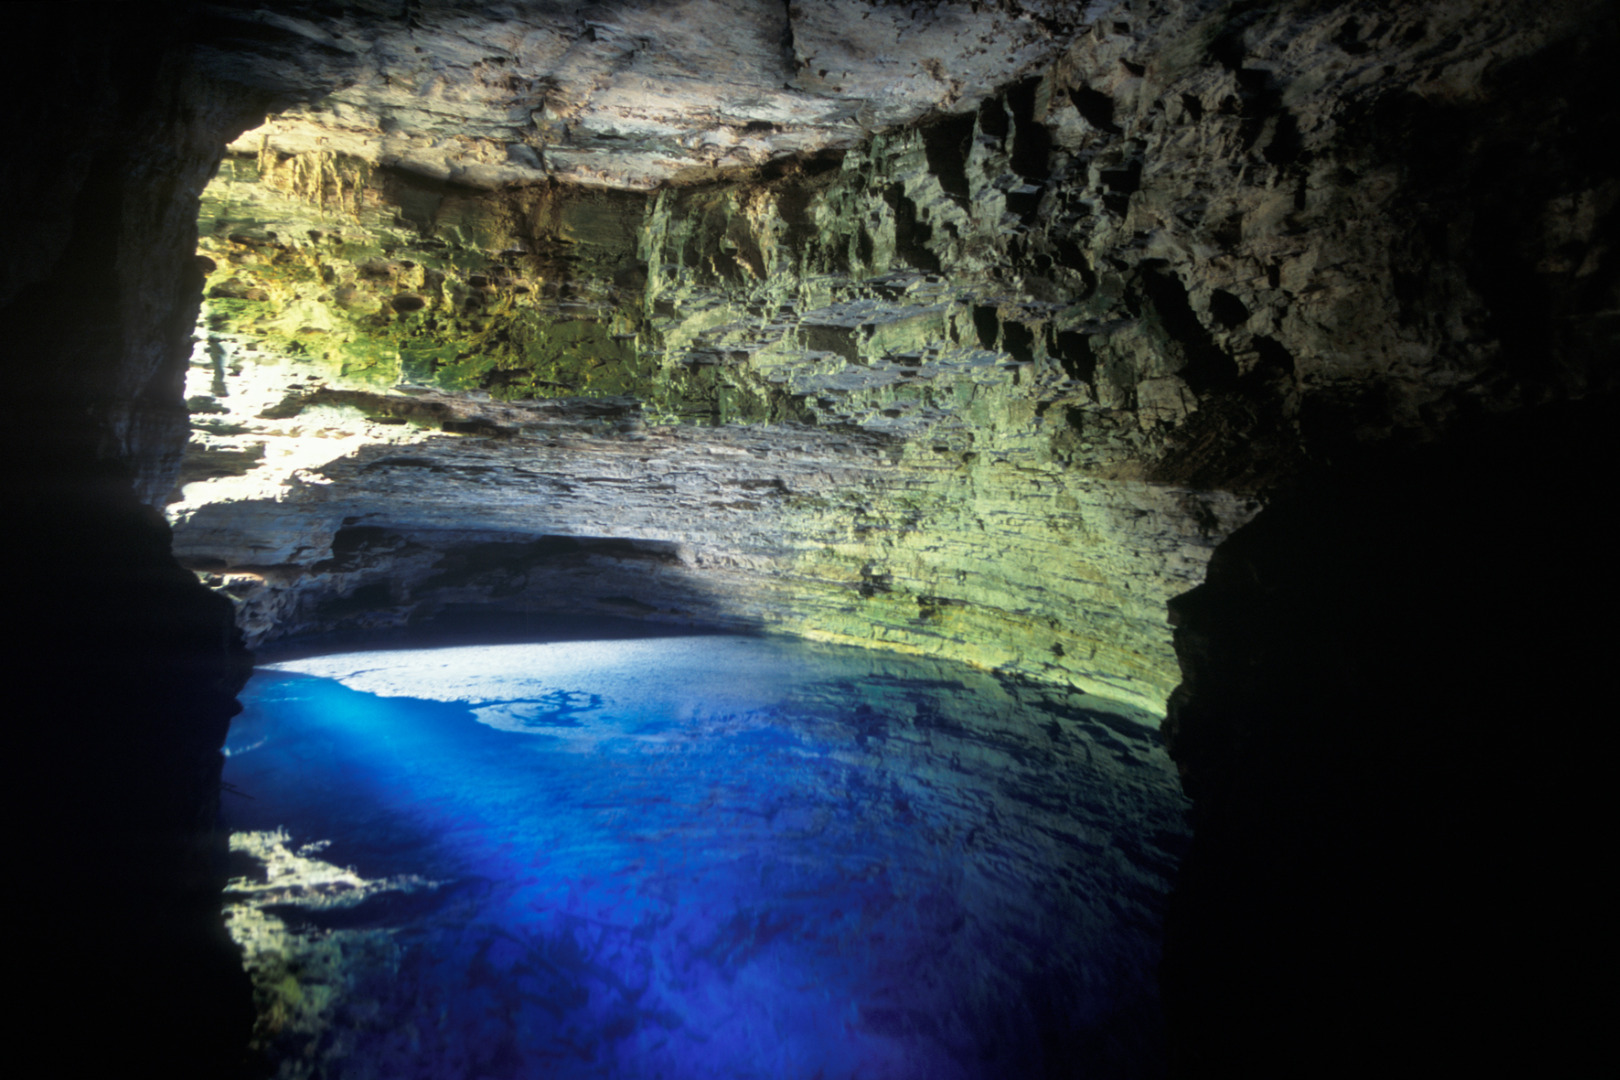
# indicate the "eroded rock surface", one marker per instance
pixel 623 94
pixel 992 384
pixel 789 445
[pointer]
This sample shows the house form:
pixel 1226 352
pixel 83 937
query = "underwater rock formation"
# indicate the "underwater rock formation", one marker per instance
pixel 600 861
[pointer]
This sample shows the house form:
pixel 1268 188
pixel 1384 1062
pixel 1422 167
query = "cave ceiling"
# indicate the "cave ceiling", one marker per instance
pixel 632 94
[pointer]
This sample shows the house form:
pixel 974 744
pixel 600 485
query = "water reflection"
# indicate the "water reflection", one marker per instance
pixel 695 857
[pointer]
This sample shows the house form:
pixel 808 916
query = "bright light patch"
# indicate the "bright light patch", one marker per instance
pixel 516 686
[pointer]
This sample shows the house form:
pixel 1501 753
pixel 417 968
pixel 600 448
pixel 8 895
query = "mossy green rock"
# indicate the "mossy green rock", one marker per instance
pixel 992 386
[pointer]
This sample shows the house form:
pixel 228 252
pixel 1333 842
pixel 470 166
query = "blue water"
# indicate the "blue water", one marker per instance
pixel 715 857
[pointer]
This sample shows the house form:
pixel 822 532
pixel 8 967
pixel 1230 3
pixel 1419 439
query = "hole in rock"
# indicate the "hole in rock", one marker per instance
pixel 1032 140
pixel 1227 309
pixel 1096 107
pixel 1020 341
pixel 987 325
pixel 993 119
pixel 946 147
pixel 615 855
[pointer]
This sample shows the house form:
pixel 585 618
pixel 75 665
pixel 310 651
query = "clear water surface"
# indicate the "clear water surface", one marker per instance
pixel 695 856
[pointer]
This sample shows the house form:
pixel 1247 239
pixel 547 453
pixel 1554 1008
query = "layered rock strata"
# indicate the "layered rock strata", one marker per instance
pixel 839 534
pixel 990 386
pixel 796 439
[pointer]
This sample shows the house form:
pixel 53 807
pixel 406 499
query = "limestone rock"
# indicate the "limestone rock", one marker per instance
pixel 1003 377
pixel 623 94
pixel 855 456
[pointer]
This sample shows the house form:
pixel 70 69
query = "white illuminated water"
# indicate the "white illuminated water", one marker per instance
pixel 704 856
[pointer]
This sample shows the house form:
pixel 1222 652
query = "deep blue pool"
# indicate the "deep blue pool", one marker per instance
pixel 701 856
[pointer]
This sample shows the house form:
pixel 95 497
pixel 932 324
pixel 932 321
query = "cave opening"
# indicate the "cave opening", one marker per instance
pixel 464 425
pixel 998 334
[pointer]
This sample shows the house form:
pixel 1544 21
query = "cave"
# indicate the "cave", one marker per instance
pixel 1251 366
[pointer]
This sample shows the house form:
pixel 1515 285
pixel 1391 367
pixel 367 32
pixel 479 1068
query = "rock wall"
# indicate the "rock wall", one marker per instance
pixel 1028 363
pixel 1387 670
pixel 820 435
pixel 121 669
pixel 1391 726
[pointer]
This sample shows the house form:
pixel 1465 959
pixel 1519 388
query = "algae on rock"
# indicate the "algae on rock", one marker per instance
pixel 991 386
